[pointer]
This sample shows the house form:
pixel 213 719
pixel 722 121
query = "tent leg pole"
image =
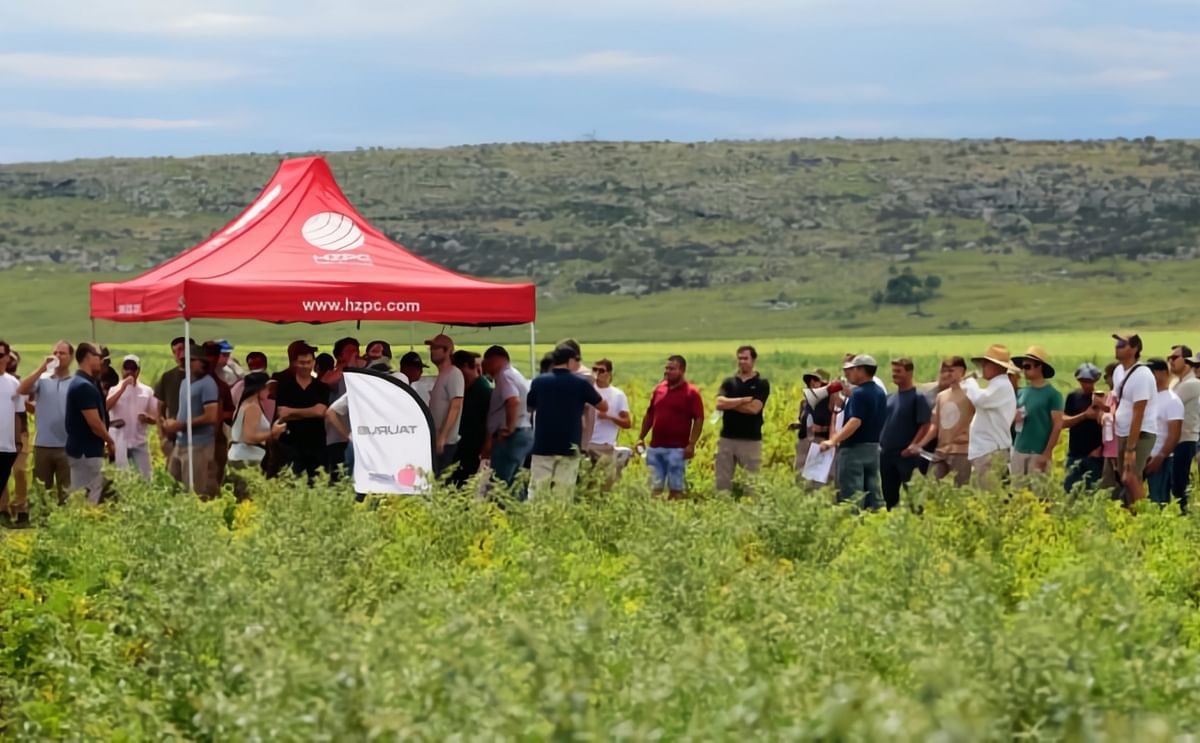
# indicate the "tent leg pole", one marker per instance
pixel 94 339
pixel 187 367
pixel 533 369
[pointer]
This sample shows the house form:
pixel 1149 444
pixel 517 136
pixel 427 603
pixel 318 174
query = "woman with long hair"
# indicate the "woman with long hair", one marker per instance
pixel 252 431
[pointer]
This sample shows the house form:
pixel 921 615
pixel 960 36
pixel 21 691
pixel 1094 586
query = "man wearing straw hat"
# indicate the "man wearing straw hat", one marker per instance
pixel 1040 410
pixel 995 408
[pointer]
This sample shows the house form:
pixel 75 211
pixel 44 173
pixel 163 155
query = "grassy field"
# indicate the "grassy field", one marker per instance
pixel 1018 301
pixel 301 616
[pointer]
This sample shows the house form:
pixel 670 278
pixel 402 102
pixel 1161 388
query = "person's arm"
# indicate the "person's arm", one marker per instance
pixel 335 421
pixel 647 421
pixel 511 406
pixel 930 431
pixel 449 424
pixel 295 414
pixel 209 417
pixel 96 424
pixel 621 419
pixel 29 383
pixel 731 403
pixel 984 399
pixel 115 393
pixel 1088 413
pixel 846 431
pixel 1056 427
pixel 694 437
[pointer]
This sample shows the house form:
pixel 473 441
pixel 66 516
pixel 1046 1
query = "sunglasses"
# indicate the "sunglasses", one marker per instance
pixel 599 370
pixel 1122 344
pixel 1027 367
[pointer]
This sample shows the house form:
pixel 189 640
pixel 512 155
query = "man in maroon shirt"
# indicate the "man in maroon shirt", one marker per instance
pixel 676 415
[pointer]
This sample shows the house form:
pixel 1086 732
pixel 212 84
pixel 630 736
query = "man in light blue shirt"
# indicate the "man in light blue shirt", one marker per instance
pixel 47 388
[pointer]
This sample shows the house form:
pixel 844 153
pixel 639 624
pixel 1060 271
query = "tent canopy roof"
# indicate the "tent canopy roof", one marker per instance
pixel 302 253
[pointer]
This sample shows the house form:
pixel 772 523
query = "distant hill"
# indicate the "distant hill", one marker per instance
pixel 643 218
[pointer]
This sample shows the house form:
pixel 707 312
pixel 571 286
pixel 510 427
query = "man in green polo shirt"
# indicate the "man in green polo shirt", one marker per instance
pixel 1040 414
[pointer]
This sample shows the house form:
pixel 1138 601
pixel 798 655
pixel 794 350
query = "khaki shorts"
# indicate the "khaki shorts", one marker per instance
pixel 983 468
pixel 53 470
pixel 558 474
pixel 1142 455
pixel 734 452
pixel 953 463
pixel 208 484
pixel 1021 464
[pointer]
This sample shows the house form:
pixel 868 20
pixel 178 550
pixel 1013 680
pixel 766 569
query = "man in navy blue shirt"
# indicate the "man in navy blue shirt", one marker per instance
pixel 858 438
pixel 87 424
pixel 557 399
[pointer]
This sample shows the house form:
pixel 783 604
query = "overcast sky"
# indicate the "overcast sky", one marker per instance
pixel 85 78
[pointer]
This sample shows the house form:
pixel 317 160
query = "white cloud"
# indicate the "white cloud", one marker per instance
pixel 90 70
pixel 47 120
pixel 593 63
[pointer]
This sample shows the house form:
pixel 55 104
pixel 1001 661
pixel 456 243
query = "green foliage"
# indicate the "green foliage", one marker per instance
pixel 908 288
pixel 302 615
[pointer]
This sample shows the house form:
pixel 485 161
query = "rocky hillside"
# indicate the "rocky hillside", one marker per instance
pixel 637 218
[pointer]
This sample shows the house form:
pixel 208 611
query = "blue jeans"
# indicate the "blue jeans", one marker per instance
pixel 508 455
pixel 1160 482
pixel 1086 470
pixel 858 472
pixel 667 466
pixel 1181 476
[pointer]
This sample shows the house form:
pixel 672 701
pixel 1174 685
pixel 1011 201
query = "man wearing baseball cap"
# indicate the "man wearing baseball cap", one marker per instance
pixel 858 439
pixel 227 367
pixel 1187 387
pixel 132 409
pixel 995 409
pixel 413 368
pixel 1082 412
pixel 1136 392
pixel 445 400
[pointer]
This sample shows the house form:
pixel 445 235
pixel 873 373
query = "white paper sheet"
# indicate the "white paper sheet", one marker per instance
pixel 818 464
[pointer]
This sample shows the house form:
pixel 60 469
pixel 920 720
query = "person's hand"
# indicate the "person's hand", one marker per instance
pixel 440 447
pixel 1041 463
pixel 504 433
pixel 793 426
pixel 827 444
pixel 910 452
pixel 689 451
pixel 1154 464
pixel 145 419
pixel 110 448
pixel 278 428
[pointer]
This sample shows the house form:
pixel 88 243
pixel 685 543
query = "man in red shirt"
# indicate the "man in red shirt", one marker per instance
pixel 676 415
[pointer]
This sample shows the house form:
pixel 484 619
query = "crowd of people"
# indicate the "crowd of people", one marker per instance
pixel 1139 437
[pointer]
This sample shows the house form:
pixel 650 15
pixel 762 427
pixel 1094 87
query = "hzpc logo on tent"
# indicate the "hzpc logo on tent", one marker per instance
pixel 332 231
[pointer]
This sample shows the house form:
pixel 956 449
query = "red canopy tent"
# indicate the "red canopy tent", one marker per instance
pixel 302 253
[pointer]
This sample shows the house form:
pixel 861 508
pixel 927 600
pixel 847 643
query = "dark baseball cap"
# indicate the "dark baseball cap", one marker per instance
pixel 1132 339
pixel 412 358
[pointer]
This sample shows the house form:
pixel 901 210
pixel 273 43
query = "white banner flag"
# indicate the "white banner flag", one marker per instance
pixel 392 435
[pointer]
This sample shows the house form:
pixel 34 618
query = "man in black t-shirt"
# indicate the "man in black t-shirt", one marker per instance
pixel 1081 415
pixel 741 400
pixel 300 402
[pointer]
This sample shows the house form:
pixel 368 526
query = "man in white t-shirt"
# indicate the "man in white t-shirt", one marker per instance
pixel 445 400
pixel 1136 392
pixel 1168 426
pixel 603 447
pixel 11 405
